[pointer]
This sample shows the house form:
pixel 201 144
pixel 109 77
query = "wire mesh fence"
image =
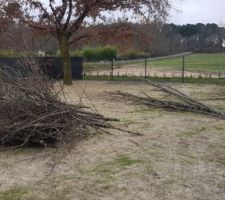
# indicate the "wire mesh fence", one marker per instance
pixel 184 65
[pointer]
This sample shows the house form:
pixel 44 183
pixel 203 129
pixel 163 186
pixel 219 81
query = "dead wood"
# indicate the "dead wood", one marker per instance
pixel 172 99
pixel 32 112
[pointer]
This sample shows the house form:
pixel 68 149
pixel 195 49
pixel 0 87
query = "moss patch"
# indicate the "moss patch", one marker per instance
pixel 108 170
pixel 192 132
pixel 126 161
pixel 14 193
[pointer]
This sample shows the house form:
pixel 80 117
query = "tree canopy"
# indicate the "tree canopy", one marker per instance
pixel 65 18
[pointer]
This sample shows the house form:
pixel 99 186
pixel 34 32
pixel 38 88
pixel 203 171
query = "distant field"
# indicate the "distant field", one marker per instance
pixel 194 62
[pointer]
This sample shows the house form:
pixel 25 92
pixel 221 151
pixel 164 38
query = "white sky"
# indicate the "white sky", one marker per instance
pixel 198 11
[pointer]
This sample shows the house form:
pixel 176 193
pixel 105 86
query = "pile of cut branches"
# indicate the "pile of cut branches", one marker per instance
pixel 171 99
pixel 33 114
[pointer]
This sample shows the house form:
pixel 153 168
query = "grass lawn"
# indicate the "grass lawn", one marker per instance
pixel 194 62
pixel 217 81
pixel 214 62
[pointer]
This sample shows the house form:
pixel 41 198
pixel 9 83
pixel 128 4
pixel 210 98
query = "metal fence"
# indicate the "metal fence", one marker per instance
pixel 184 65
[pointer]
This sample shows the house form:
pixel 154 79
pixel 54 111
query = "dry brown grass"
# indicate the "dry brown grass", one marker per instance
pixel 180 156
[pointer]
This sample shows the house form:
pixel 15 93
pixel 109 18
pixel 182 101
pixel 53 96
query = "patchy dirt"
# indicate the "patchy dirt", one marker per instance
pixel 180 155
pixel 135 70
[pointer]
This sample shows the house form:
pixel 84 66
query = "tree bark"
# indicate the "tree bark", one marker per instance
pixel 65 54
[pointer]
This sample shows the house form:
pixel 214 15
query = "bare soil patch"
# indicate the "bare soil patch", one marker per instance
pixel 135 70
pixel 180 155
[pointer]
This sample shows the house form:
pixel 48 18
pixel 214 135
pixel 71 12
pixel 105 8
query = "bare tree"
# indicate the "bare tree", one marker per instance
pixel 65 18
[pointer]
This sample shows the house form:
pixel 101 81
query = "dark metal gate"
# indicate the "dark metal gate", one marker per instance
pixel 52 66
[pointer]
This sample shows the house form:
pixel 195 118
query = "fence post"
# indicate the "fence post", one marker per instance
pixel 183 65
pixel 112 69
pixel 145 67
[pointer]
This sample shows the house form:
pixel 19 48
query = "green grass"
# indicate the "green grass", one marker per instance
pixel 213 62
pixel 194 62
pixel 109 169
pixel 124 161
pixel 14 193
pixel 29 193
pixel 192 133
pixel 215 81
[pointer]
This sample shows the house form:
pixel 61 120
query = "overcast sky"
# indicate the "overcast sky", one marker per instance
pixel 194 11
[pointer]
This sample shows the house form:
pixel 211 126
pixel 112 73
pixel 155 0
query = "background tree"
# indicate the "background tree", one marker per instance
pixel 65 18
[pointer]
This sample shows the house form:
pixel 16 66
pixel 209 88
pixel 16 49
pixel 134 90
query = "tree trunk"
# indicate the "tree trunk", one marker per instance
pixel 65 54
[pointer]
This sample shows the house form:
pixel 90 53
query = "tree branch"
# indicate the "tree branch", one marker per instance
pixel 69 15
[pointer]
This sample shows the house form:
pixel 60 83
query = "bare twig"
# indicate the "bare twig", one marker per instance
pixel 33 113
pixel 178 100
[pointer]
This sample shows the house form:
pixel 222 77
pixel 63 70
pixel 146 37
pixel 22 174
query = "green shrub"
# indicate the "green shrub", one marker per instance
pixel 131 54
pixel 10 54
pixel 57 53
pixel 99 53
pixel 77 53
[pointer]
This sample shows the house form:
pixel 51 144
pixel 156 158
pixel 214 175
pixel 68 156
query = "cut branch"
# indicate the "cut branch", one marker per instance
pixel 178 100
pixel 32 112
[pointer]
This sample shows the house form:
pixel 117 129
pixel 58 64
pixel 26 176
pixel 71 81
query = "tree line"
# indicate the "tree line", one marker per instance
pixel 151 39
pixel 196 37
pixel 158 39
